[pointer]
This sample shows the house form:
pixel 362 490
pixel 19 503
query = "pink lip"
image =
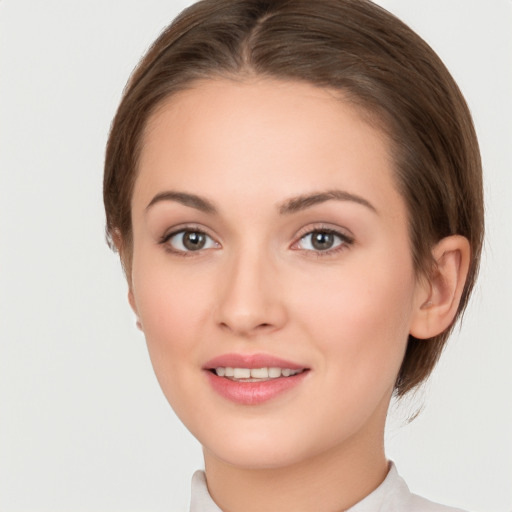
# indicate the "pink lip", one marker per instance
pixel 251 361
pixel 252 393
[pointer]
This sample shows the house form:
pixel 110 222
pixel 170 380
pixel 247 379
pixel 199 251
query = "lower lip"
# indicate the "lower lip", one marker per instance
pixel 253 393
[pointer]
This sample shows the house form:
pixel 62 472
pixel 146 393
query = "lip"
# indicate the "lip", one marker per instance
pixel 252 393
pixel 251 361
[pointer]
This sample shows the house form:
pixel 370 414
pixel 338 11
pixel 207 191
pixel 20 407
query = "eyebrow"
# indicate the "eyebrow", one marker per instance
pixel 292 205
pixel 191 200
pixel 299 203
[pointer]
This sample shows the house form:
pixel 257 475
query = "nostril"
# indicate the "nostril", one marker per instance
pixel 242 327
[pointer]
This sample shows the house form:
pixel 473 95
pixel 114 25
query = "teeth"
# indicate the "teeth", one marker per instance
pixel 242 373
pixel 255 373
pixel 259 373
pixel 273 373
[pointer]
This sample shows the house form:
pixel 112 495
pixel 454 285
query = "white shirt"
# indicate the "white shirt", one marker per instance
pixel 392 495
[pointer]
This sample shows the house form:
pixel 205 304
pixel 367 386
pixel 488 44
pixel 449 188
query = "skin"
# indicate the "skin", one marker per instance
pixel 249 148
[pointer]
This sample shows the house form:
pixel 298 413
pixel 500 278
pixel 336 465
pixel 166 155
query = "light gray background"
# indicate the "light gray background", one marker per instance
pixel 83 424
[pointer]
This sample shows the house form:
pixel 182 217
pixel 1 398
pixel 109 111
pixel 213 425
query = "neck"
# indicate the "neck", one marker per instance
pixel 332 481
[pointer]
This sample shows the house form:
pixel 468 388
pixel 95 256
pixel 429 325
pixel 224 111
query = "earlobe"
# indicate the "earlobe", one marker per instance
pixel 439 295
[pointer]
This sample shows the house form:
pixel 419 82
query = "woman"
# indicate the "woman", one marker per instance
pixel 295 192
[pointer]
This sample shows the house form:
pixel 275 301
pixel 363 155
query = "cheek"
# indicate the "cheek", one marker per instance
pixel 167 297
pixel 359 323
pixel 173 306
pixel 360 314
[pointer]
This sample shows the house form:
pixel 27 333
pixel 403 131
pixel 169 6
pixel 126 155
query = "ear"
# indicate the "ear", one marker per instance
pixel 439 295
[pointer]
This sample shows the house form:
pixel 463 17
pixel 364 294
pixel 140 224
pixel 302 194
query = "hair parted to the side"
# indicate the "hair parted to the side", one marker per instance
pixel 352 46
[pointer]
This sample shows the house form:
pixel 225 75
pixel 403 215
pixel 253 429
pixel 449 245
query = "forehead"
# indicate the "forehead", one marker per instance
pixel 262 139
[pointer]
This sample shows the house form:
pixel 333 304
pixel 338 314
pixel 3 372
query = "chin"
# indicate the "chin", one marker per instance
pixel 264 445
pixel 255 455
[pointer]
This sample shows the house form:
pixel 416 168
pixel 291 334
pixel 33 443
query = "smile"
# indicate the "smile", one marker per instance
pixel 253 379
pixel 254 374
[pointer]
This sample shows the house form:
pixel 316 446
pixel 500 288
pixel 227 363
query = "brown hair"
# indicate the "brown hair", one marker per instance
pixel 350 45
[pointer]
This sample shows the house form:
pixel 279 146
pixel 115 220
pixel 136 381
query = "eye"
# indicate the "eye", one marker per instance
pixel 189 241
pixel 322 240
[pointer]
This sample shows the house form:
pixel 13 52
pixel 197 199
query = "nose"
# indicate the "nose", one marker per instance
pixel 250 296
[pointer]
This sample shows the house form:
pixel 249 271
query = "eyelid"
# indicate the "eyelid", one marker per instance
pixel 183 228
pixel 346 237
pixel 344 233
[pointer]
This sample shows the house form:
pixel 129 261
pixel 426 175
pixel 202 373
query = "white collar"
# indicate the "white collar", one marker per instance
pixel 392 495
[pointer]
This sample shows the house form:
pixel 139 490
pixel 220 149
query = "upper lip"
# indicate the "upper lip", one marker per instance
pixel 251 361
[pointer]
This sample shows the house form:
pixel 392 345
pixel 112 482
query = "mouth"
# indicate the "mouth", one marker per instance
pixel 255 374
pixel 253 379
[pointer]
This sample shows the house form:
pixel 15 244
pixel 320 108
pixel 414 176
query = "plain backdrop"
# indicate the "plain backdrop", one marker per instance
pixel 83 424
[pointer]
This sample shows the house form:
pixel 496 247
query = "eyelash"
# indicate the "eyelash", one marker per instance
pixel 164 240
pixel 345 240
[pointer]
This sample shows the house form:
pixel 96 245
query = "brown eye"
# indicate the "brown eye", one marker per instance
pixel 189 241
pixel 322 241
pixel 193 241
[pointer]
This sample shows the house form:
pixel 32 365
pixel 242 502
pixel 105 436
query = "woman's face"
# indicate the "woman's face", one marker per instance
pixel 269 236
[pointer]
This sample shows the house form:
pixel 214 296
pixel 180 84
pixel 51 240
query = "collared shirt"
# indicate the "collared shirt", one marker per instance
pixel 392 495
